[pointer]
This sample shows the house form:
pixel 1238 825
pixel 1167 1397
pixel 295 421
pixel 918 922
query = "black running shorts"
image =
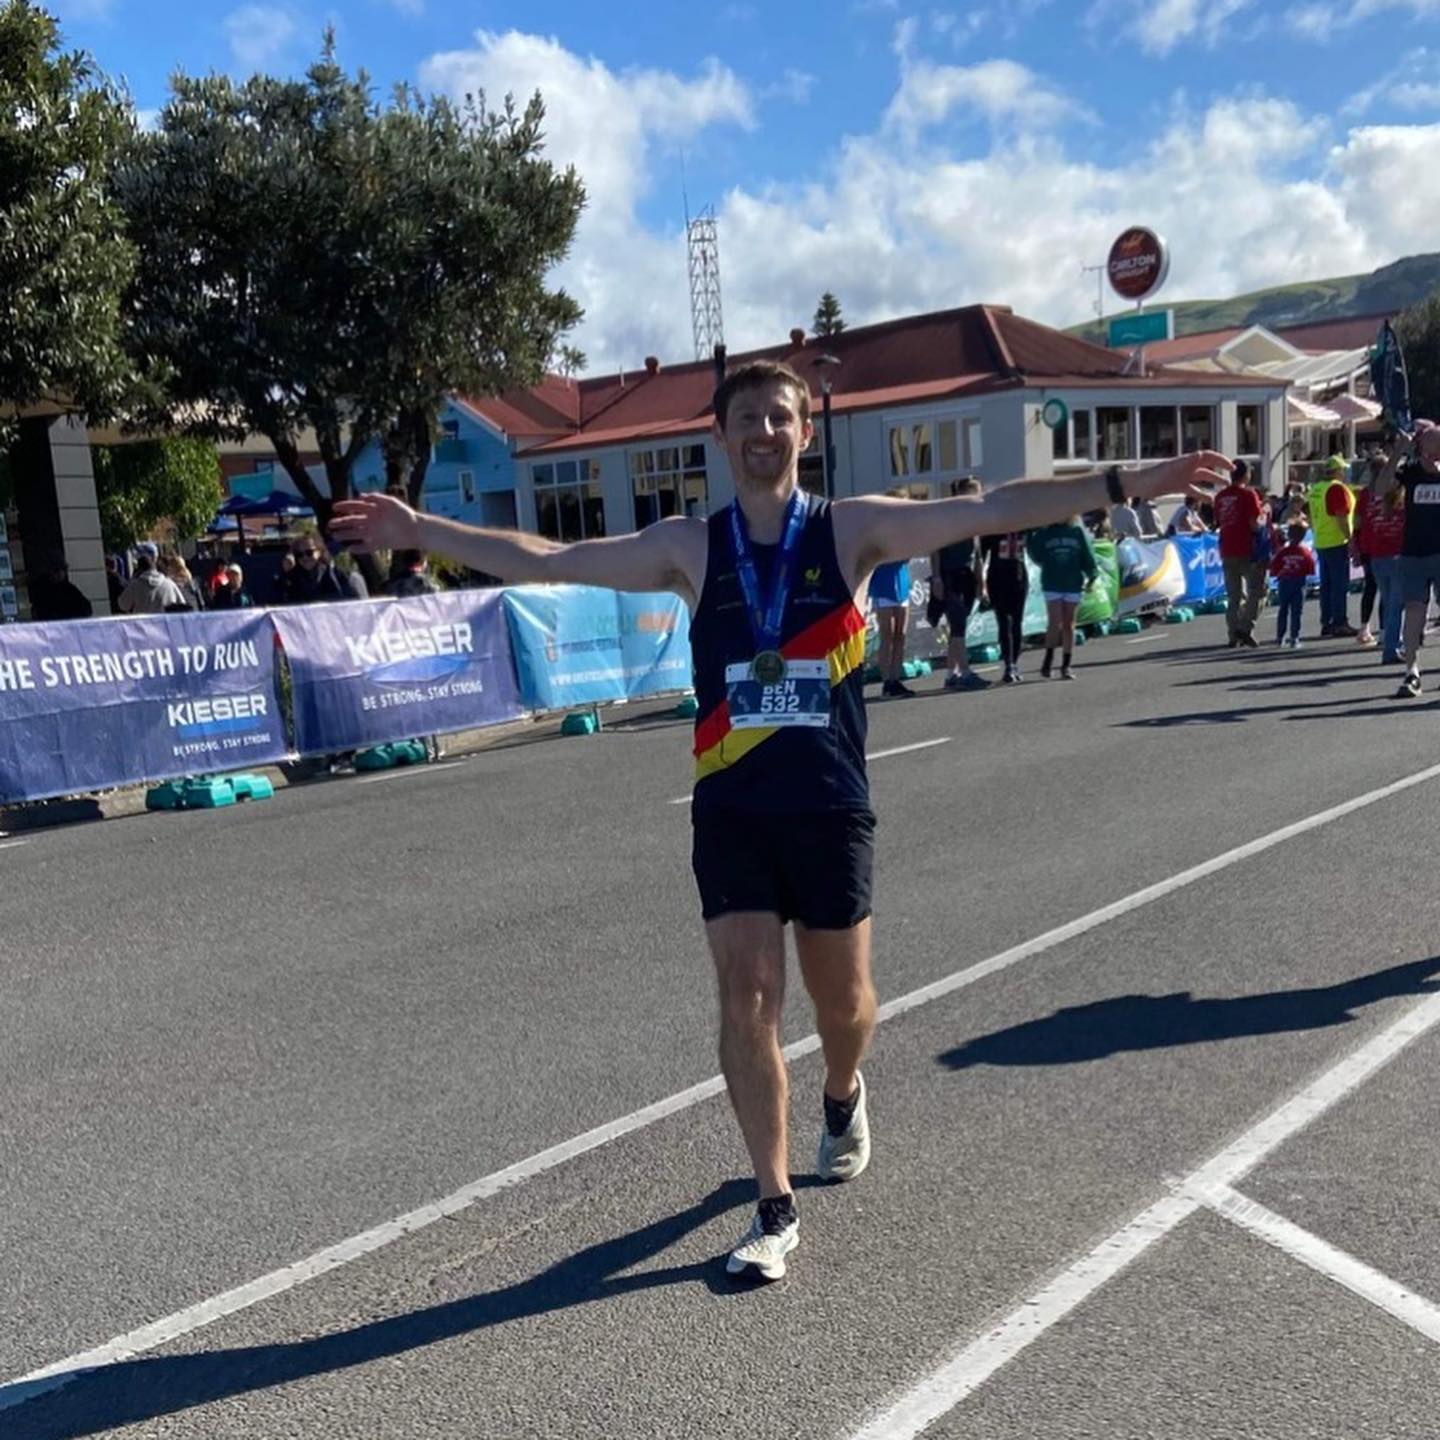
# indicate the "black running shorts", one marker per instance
pixel 815 867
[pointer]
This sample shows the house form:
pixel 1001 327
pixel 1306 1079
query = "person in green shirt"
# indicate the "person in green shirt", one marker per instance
pixel 1067 567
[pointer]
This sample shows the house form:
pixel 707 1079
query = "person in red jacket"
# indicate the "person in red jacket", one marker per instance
pixel 1292 566
pixel 1382 533
pixel 1239 515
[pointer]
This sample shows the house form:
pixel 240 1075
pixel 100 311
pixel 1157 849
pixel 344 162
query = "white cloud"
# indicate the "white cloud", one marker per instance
pixel 1250 190
pixel 258 34
pixel 1161 25
pixel 1411 86
pixel 1320 19
pixel 796 86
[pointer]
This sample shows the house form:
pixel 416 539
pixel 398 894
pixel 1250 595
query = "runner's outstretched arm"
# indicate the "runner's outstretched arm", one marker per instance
pixel 660 557
pixel 893 529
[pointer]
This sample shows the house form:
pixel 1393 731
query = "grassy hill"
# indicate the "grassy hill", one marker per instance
pixel 1392 287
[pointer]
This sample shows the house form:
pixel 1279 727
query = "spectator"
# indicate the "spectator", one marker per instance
pixel 286 578
pixel 178 571
pixel 1067 566
pixel 1332 519
pixel 1240 517
pixel 53 597
pixel 1186 520
pixel 1382 524
pixel 412 575
pixel 232 595
pixel 1124 522
pixel 150 592
pixel 1293 564
pixel 890 598
pixel 113 582
pixel 1007 582
pixel 318 578
pixel 955 583
pixel 1148 516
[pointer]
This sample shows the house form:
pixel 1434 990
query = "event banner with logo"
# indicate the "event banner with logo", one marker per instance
pixel 576 645
pixel 1200 560
pixel 89 704
pixel 367 671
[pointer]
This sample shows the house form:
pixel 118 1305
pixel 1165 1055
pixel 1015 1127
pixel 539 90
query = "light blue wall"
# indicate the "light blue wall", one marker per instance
pixel 476 448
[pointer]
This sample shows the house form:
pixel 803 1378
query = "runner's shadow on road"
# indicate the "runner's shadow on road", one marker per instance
pixel 1236 715
pixel 1158 1022
pixel 146 1388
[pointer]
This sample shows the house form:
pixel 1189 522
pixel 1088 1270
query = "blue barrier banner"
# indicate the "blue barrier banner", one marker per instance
pixel 1151 575
pixel 367 671
pixel 1200 559
pixel 576 645
pixel 90 704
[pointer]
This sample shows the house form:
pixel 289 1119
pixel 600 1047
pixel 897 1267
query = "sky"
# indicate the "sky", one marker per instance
pixel 907 157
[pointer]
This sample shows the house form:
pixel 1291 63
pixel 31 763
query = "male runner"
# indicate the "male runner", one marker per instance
pixel 1414 466
pixel 783 830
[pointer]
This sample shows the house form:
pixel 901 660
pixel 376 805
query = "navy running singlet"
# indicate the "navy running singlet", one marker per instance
pixel 780 768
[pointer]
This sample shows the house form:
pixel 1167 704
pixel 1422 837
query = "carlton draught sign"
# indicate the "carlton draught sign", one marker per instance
pixel 1139 261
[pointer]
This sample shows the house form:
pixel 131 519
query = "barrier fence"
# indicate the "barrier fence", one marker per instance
pixel 88 705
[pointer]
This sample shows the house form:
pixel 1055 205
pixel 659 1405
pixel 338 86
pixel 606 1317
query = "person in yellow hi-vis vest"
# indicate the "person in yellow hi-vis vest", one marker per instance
pixel 1331 503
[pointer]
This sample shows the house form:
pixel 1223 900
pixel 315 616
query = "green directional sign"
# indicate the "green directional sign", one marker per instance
pixel 1142 329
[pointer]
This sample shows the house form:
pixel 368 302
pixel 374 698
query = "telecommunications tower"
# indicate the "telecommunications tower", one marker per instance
pixel 705 317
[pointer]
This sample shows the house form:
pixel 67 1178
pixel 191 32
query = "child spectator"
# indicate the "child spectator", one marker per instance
pixel 1292 565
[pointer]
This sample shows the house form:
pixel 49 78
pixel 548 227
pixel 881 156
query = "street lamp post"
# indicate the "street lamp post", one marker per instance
pixel 827 364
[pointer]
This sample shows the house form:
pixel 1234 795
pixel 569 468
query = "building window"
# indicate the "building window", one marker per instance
pixel 974 447
pixel 467 486
pixel 1159 432
pixel 1249 429
pixel 1081 448
pixel 1112 431
pixel 1197 428
pixel 450 429
pixel 568 502
pixel 670 480
pixel 1060 441
pixel 931 447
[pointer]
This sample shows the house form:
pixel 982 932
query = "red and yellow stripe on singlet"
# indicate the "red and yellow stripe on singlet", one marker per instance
pixel 838 638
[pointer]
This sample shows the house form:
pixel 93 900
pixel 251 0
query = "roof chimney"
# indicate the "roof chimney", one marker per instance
pixel 719 366
pixel 797 337
pixel 652 364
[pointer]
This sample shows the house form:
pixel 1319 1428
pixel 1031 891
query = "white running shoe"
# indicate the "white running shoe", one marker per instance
pixel 843 1157
pixel 764 1251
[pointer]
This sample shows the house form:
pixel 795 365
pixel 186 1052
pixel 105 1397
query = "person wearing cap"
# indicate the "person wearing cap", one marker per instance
pixel 1331 503
pixel 232 595
pixel 150 592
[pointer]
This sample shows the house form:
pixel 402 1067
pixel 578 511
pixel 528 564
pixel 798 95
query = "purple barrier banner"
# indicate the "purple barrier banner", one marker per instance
pixel 90 704
pixel 367 671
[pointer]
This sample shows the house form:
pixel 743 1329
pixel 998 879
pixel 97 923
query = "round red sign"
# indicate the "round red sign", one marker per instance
pixel 1139 261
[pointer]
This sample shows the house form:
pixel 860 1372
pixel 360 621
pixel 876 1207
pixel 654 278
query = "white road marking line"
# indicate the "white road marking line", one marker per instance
pixel 1146 639
pixel 872 755
pixel 197 1316
pixel 960 1377
pixel 404 770
pixel 11 844
pixel 1328 1260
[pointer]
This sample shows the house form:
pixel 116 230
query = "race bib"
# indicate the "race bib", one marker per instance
pixel 1426 495
pixel 802 697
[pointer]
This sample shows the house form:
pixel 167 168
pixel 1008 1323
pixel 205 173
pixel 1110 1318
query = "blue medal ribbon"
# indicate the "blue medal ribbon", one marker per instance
pixel 766 621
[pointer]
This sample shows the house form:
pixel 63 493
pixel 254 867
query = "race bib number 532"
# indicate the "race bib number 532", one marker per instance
pixel 801 698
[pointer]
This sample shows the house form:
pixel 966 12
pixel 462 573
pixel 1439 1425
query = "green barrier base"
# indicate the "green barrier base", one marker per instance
pixel 983 654
pixel 1099 630
pixel 377 757
pixel 1130 625
pixel 251 787
pixel 169 796
pixel 1080 637
pixel 687 709
pixel 914 669
pixel 871 675
pixel 213 793
pixel 1179 615
pixel 582 722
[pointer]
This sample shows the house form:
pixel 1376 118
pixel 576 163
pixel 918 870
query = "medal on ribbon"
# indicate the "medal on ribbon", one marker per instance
pixel 769 667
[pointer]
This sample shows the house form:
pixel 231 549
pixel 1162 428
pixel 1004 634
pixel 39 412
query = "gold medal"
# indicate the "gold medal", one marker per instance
pixel 768 667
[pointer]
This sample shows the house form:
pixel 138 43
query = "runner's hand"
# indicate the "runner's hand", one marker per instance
pixel 375 522
pixel 1204 474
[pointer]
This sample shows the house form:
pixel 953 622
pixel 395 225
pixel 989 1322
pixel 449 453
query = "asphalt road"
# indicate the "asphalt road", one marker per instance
pixel 232 1040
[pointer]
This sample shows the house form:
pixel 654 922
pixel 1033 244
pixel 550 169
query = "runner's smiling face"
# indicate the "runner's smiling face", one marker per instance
pixel 764 435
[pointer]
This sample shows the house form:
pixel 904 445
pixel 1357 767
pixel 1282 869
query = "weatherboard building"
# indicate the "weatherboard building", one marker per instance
pixel 915 403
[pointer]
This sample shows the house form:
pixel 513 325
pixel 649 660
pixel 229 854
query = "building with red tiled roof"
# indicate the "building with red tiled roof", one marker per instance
pixel 915 403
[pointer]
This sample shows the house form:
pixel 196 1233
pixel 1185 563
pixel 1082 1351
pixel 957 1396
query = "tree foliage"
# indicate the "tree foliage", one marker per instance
pixel 828 319
pixel 142 484
pixel 315 262
pixel 1418 329
pixel 64 258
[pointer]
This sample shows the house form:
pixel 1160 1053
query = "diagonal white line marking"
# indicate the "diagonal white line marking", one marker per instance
pixel 404 770
pixel 1328 1260
pixel 11 844
pixel 1164 1214
pixel 941 1391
